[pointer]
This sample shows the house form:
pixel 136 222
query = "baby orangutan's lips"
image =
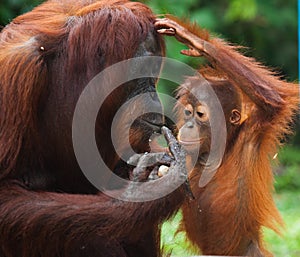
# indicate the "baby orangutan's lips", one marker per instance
pixel 191 142
pixel 191 146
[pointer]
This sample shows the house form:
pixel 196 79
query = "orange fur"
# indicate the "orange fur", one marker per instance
pixel 228 214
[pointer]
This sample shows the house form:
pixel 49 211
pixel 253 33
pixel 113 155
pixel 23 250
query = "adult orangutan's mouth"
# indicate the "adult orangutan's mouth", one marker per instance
pixel 155 126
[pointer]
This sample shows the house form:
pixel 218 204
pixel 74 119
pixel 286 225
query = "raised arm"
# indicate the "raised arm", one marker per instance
pixel 261 85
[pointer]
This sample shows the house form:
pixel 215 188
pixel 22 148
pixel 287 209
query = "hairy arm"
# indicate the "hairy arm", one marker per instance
pixel 84 220
pixel 261 85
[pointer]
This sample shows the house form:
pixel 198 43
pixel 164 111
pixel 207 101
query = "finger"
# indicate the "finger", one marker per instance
pixel 191 52
pixel 133 160
pixel 160 21
pixel 142 171
pixel 140 175
pixel 167 32
pixel 168 135
pixel 188 190
pixel 166 159
pixel 151 159
pixel 174 146
pixel 165 23
pixel 154 174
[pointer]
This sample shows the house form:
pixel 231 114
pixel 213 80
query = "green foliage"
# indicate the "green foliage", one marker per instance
pixel 11 8
pixel 173 242
pixel 241 10
pixel 289 156
pixel 288 178
pixel 288 172
pixel 288 245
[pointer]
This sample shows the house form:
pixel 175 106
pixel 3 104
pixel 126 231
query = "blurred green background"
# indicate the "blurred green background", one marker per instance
pixel 269 30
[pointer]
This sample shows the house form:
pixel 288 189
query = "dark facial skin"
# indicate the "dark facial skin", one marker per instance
pixel 142 96
pixel 147 86
pixel 147 123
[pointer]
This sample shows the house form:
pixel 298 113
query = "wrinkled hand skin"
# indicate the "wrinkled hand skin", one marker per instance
pixel 148 163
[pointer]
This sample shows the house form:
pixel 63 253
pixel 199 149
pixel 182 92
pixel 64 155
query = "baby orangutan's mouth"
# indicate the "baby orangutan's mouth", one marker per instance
pixel 184 142
pixel 191 145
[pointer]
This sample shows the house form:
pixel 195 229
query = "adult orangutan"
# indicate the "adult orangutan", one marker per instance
pixel 47 206
pixel 228 214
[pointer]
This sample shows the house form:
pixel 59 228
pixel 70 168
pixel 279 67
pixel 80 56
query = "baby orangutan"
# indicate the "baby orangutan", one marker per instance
pixel 230 209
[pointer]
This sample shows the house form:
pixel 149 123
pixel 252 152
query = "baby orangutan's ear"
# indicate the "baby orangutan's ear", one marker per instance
pixel 236 117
